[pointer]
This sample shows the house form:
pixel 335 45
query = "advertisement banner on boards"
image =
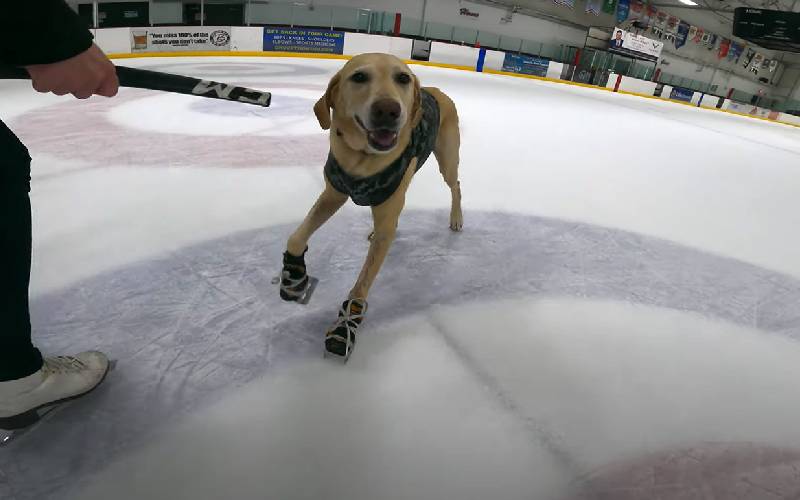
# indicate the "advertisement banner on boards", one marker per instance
pixel 680 94
pixel 314 40
pixel 181 38
pixel 629 43
pixel 527 65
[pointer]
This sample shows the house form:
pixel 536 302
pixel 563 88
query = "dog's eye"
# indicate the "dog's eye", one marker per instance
pixel 403 78
pixel 359 77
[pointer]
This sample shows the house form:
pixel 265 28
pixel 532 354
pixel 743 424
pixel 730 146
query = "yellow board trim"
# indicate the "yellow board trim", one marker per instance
pixel 307 55
pixel 227 53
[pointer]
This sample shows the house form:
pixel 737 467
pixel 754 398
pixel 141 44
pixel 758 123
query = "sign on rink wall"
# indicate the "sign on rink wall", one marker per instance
pixel 528 65
pixel 680 94
pixel 181 38
pixel 316 40
pixel 740 107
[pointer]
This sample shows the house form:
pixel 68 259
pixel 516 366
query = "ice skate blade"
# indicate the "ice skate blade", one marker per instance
pixel 305 297
pixel 327 354
pixel 8 437
pixel 334 355
pixel 42 413
pixel 312 285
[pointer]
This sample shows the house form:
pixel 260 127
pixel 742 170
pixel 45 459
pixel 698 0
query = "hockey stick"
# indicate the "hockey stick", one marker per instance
pixel 156 80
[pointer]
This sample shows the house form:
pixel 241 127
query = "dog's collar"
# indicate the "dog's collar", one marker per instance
pixel 377 188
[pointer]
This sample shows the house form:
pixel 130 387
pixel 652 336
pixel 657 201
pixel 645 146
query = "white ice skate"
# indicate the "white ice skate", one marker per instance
pixel 25 401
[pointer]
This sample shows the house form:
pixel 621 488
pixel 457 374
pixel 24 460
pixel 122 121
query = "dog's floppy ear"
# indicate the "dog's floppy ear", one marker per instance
pixel 325 103
pixel 416 106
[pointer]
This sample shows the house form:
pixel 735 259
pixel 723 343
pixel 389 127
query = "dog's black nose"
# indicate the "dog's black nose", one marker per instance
pixel 384 113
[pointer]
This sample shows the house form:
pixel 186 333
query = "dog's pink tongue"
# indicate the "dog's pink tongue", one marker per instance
pixel 384 137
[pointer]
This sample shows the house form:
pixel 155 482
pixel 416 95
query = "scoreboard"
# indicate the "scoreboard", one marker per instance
pixel 771 29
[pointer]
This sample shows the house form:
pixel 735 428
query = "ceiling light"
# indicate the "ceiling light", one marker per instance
pixel 687 2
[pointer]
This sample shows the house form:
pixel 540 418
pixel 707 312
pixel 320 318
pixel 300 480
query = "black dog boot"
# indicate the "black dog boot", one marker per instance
pixel 296 285
pixel 341 338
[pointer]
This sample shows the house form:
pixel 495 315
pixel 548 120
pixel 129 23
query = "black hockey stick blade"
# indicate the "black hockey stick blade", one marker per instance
pixel 168 82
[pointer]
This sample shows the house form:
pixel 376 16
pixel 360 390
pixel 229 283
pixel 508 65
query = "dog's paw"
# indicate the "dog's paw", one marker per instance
pixel 456 221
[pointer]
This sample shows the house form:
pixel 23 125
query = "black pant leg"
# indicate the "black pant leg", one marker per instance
pixel 18 357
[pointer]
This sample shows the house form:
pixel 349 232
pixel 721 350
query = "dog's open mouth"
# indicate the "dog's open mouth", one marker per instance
pixel 382 139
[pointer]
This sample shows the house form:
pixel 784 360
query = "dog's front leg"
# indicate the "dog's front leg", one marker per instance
pixel 385 228
pixel 296 285
pixel 384 217
pixel 341 338
pixel 326 205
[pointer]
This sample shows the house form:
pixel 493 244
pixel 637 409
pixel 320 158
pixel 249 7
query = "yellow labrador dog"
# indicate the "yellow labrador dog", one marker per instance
pixel 383 126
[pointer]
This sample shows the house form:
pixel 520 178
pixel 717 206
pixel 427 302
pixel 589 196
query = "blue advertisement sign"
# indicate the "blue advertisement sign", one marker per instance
pixel 303 40
pixel 681 94
pixel 528 65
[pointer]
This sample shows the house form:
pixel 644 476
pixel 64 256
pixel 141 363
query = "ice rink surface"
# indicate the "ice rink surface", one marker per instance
pixel 619 319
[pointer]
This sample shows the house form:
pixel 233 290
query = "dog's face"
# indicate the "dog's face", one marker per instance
pixel 373 97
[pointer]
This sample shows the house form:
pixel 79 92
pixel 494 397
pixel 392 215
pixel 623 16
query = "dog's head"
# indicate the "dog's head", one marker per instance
pixel 374 97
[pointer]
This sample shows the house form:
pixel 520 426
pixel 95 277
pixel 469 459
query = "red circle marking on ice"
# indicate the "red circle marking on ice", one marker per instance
pixel 81 130
pixel 733 471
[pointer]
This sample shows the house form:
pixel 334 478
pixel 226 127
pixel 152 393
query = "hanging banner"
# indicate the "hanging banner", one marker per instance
pixel 698 36
pixel 692 32
pixel 593 7
pixel 732 52
pixel 566 3
pixel 756 62
pixel 623 7
pixel 650 15
pixel 711 42
pixel 672 24
pixel 736 52
pixel 637 12
pixel 625 42
pixel 661 19
pixel 748 57
pixel 659 24
pixel 724 47
pixel 683 32
pixel 671 30
pixel 773 65
pixel 609 6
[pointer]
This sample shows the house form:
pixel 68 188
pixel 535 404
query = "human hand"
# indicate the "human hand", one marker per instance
pixel 88 73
